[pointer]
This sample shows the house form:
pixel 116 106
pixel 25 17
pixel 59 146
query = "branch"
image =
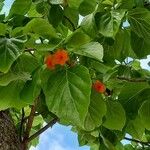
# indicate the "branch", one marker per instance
pixel 131 79
pixel 50 124
pixel 137 141
pixel 30 122
pixel 21 124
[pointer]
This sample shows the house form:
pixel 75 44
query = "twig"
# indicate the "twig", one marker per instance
pixel 131 79
pixel 29 49
pixel 21 124
pixel 50 124
pixel 137 141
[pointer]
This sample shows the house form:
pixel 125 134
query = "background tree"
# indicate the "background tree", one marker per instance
pixel 88 75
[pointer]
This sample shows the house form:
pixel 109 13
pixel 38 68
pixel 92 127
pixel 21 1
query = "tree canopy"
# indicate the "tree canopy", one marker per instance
pixel 77 62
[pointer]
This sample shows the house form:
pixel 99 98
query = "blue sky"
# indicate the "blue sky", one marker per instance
pixel 59 138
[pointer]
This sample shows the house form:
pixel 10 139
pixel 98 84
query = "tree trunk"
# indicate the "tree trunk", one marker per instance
pixel 9 139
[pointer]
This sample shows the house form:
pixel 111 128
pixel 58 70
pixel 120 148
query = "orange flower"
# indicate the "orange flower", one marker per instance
pixel 99 86
pixel 61 57
pixel 49 61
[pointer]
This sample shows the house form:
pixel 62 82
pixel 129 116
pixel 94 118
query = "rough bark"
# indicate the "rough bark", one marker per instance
pixel 8 137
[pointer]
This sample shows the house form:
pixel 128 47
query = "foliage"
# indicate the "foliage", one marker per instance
pixel 78 74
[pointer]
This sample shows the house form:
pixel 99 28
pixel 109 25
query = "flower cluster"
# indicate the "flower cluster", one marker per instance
pixel 99 86
pixel 60 57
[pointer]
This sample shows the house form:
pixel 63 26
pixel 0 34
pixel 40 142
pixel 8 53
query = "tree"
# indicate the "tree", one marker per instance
pixel 88 75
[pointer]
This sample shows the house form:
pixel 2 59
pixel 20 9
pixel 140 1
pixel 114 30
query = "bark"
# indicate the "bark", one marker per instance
pixel 9 139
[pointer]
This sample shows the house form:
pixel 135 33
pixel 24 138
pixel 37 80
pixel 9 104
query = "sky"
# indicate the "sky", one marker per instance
pixel 60 137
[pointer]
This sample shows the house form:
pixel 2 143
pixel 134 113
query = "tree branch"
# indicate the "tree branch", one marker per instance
pixel 131 79
pixel 21 124
pixel 29 125
pixel 50 124
pixel 137 141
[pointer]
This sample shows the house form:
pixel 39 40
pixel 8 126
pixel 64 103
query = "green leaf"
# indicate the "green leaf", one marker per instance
pixel 144 113
pixel 115 116
pixel 31 89
pixel 109 23
pixel 97 110
pixel 41 27
pixel 89 26
pixel 26 63
pixel 124 4
pixel 5 79
pixel 74 4
pixel 139 19
pixel 87 7
pixel 10 97
pixel 135 128
pixel 68 92
pixel 77 39
pixel 140 45
pixel 121 48
pixel 20 7
pixel 71 18
pixel 92 50
pixel 3 29
pixel 129 147
pixel 132 95
pixel 1 4
pixel 55 18
pixel 10 50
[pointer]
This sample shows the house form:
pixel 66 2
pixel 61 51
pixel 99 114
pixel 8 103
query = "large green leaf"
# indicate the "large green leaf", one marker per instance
pixel 121 48
pixel 55 18
pixel 109 23
pixel 139 19
pixel 97 110
pixel 10 95
pixel 31 89
pixel 71 18
pixel 115 116
pixel 77 39
pixel 135 128
pixel 132 95
pixel 41 27
pixel 10 50
pixel 140 46
pixel 144 113
pixel 93 50
pixel 88 25
pixel 87 7
pixel 68 93
pixel 5 79
pixel 20 7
